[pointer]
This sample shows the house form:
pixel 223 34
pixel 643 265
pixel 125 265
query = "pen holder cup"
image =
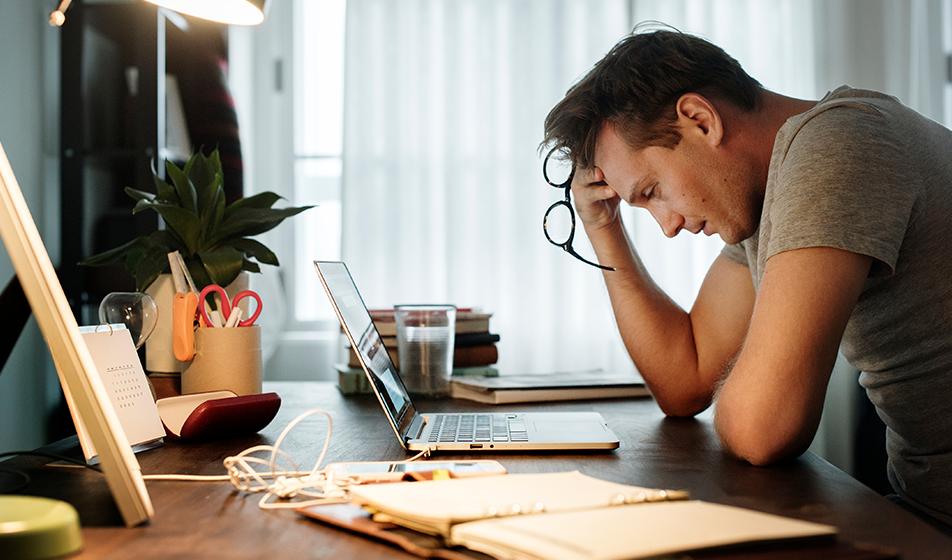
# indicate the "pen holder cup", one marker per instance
pixel 225 359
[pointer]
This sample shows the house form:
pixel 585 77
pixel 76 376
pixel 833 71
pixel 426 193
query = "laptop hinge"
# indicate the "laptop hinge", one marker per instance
pixel 415 428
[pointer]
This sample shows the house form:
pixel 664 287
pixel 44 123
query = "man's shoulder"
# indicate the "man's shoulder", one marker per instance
pixel 844 115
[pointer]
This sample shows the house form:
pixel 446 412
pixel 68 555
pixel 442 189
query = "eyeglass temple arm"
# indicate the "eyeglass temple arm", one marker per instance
pixel 568 249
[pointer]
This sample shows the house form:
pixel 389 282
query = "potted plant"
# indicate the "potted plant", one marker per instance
pixel 214 238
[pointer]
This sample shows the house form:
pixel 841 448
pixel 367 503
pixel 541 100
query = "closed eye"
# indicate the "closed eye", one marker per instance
pixel 649 192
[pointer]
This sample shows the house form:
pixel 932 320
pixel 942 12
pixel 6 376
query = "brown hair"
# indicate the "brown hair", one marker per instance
pixel 636 85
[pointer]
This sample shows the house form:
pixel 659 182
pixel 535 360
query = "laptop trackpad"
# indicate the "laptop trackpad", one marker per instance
pixel 567 428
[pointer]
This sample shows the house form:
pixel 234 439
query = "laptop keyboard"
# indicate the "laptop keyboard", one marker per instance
pixel 477 428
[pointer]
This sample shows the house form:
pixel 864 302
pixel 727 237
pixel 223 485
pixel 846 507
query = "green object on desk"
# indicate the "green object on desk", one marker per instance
pixel 32 528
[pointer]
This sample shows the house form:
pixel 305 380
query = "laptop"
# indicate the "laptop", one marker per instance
pixel 471 432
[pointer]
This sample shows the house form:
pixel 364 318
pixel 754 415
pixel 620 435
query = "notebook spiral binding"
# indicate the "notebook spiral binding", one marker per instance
pixel 619 499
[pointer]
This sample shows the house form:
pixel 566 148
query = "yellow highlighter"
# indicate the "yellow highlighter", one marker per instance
pixel 184 306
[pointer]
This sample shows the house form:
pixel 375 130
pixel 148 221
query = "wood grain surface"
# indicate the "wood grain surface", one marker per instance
pixel 211 520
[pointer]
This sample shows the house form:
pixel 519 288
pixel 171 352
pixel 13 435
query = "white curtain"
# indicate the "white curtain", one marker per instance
pixel 891 46
pixel 444 103
pixel 443 195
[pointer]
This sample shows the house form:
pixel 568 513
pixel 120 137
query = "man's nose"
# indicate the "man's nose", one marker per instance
pixel 670 222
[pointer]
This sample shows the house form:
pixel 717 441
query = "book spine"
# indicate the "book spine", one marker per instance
pixel 460 340
pixel 388 329
pixel 472 356
pixel 346 375
pixel 476 371
pixel 475 339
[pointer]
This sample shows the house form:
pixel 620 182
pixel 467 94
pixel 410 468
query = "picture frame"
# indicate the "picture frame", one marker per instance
pixel 74 365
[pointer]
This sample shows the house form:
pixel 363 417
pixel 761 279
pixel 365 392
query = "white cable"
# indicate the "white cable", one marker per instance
pixel 286 481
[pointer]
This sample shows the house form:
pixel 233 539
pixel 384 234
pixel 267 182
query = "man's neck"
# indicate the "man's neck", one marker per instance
pixel 763 124
pixel 775 109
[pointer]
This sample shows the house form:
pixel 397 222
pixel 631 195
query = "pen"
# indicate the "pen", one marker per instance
pixel 234 318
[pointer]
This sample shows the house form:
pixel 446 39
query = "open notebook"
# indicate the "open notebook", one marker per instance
pixel 571 515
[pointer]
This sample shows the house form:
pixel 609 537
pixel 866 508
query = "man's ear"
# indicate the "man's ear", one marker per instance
pixel 697 113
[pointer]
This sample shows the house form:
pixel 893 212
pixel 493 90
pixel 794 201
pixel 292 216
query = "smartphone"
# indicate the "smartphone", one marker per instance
pixel 388 471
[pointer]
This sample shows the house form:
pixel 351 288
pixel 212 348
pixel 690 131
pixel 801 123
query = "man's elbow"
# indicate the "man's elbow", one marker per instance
pixel 759 444
pixel 683 406
pixel 762 454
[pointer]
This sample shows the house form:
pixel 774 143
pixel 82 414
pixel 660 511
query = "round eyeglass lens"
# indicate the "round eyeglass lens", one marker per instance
pixel 558 169
pixel 558 223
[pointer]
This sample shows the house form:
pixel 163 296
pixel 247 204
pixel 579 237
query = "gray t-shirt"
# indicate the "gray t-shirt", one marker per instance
pixel 863 173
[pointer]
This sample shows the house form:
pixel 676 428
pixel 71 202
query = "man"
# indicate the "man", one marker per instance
pixel 835 217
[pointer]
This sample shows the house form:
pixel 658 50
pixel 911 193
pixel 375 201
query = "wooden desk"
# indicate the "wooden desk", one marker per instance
pixel 202 520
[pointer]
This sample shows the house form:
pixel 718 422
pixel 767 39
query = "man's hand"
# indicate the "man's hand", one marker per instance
pixel 595 202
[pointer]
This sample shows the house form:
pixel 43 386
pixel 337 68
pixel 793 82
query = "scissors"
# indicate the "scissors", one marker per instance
pixel 227 306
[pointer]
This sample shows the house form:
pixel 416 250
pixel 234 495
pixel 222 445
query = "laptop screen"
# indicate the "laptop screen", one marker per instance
pixel 364 337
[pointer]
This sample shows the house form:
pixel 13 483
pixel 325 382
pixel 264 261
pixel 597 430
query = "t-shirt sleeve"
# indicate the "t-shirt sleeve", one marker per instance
pixel 736 253
pixel 844 183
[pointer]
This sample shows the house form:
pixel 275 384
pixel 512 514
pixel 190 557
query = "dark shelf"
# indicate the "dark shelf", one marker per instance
pixel 117 153
pixel 112 77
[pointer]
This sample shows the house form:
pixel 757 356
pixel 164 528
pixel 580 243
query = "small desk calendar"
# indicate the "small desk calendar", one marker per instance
pixel 121 371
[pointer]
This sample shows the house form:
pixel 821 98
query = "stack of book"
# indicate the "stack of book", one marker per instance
pixel 474 355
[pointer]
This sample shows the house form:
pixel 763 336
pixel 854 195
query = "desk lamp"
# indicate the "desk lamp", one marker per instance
pixel 232 12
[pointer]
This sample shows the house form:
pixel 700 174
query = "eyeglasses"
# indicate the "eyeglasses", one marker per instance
pixel 559 221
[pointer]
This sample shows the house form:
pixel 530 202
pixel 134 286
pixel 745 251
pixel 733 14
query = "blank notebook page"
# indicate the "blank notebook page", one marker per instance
pixel 631 531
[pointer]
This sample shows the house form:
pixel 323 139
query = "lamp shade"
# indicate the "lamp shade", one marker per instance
pixel 233 12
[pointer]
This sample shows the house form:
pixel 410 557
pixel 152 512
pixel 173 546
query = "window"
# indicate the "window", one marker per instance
pixel 318 94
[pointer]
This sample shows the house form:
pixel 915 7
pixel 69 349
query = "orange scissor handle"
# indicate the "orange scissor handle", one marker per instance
pixel 183 326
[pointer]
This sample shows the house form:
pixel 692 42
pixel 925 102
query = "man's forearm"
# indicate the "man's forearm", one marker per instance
pixel 657 333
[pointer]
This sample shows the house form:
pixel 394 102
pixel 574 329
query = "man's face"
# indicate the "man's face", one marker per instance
pixel 694 186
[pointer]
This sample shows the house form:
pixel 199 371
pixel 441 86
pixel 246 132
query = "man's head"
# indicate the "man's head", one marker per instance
pixel 649 120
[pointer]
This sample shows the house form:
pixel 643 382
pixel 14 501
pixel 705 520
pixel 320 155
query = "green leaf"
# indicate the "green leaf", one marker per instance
pixel 138 195
pixel 183 187
pixel 143 204
pixel 151 259
pixel 220 207
pixel 152 263
pixel 256 250
pixel 222 264
pixel 112 256
pixel 165 239
pixel 212 219
pixel 208 180
pixel 261 200
pixel 250 266
pixel 183 223
pixel 247 222
pixel 164 192
pixel 198 272
pixel 202 170
pixel 189 163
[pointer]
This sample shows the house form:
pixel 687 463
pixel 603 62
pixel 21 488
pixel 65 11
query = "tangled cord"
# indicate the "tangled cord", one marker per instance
pixel 284 481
